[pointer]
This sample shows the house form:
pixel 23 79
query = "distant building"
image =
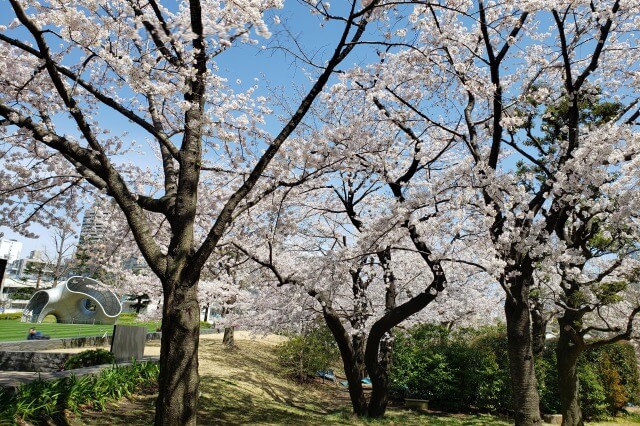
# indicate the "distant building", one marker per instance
pixel 94 223
pixel 34 267
pixel 10 249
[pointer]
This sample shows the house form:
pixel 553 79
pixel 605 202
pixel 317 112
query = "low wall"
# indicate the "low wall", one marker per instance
pixel 26 355
pixel 32 361
pixel 72 342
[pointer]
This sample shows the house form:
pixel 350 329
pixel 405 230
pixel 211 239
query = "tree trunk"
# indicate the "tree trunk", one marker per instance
pixel 379 365
pixel 358 342
pixel 228 339
pixel 538 327
pixel 177 400
pixel 349 361
pixel 520 349
pixel 567 354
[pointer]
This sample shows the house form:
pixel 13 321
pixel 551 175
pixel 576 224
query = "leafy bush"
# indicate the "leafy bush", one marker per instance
pixel 89 358
pixel 41 400
pixel 455 371
pixel 205 325
pixel 11 316
pixel 469 369
pixel 302 356
pixel 608 380
pixel 23 293
pixel 127 318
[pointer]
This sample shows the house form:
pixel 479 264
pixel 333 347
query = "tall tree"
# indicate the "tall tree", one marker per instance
pixel 91 66
pixel 469 71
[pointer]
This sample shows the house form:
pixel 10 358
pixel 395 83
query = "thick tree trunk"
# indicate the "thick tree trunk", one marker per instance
pixel 358 341
pixel 349 361
pixel 227 338
pixel 520 349
pixel 177 400
pixel 567 354
pixel 380 377
pixel 538 327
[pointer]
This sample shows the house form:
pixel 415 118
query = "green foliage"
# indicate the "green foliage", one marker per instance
pixel 302 356
pixel 89 358
pixel 11 316
pixel 127 318
pixel 454 371
pixel 41 400
pixel 608 380
pixel 23 293
pixel 469 369
pixel 205 325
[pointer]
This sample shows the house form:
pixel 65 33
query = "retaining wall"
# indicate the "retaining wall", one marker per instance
pixel 32 361
pixel 26 355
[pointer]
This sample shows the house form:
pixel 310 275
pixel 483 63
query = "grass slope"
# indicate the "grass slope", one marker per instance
pixel 14 330
pixel 246 386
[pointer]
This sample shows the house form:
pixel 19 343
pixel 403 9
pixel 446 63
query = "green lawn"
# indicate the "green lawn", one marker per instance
pixel 14 330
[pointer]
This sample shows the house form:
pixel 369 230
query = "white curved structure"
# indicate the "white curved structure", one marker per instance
pixel 78 300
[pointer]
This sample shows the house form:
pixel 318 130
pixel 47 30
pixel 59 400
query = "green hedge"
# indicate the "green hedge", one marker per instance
pixel 469 369
pixel 11 316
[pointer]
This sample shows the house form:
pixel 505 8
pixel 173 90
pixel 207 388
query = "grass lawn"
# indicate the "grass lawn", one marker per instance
pixel 14 330
pixel 247 387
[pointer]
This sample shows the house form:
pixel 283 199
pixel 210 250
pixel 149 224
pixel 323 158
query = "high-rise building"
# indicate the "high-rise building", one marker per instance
pixel 10 249
pixel 94 223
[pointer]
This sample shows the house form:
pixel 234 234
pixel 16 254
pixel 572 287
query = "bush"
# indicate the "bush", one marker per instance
pixel 41 400
pixel 469 369
pixel 89 358
pixel 454 371
pixel 127 318
pixel 302 356
pixel 11 316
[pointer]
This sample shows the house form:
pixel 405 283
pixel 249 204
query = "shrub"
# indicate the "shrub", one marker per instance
pixel 11 316
pixel 89 358
pixel 455 371
pixel 302 356
pixel 41 400
pixel 469 369
pixel 127 318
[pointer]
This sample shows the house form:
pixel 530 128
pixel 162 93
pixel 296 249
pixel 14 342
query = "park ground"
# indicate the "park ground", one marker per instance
pixel 246 386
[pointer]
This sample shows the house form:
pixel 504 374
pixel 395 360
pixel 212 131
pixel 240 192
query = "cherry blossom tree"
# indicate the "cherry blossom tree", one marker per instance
pixel 482 74
pixel 351 235
pixel 591 265
pixel 78 76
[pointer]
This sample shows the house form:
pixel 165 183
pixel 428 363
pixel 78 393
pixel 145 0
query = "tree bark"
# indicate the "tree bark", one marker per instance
pixel 380 377
pixel 358 341
pixel 177 400
pixel 538 327
pixel 520 349
pixel 349 361
pixel 227 338
pixel 206 313
pixel 567 354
